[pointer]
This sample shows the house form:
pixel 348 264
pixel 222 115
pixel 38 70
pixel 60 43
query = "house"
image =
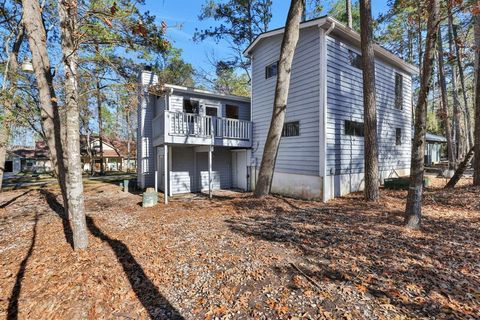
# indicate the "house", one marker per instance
pixel 13 164
pixel 200 139
pixel 321 149
pixel 117 155
pixel 35 160
pixel 433 148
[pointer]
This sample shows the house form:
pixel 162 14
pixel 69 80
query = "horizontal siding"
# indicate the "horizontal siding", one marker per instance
pixel 297 155
pixel 182 176
pixel 345 102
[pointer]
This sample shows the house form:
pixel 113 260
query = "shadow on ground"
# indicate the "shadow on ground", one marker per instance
pixel 429 273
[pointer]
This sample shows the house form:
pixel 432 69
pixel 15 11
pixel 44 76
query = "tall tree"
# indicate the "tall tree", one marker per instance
pixel 240 22
pixel 476 163
pixel 413 211
pixel 37 39
pixel 68 25
pixel 445 110
pixel 348 12
pixel 287 51
pixel 372 192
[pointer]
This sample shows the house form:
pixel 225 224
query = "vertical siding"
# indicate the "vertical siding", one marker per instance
pixel 298 155
pixel 345 102
pixel 189 172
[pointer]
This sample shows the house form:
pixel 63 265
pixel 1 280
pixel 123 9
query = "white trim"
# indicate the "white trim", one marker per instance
pixel 204 93
pixel 347 34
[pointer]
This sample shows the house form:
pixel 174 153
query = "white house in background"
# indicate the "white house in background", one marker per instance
pixel 321 150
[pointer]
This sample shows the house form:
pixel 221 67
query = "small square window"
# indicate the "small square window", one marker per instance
pixel 355 59
pixel 398 136
pixel 211 111
pixel 398 91
pixel 190 106
pixel 271 70
pixel 353 128
pixel 291 129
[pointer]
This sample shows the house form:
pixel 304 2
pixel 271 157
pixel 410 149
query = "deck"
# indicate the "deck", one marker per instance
pixel 173 127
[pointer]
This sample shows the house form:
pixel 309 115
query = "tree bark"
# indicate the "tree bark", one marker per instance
pixel 413 210
pixel 476 162
pixel 348 12
pixel 445 112
pixel 68 26
pixel 468 118
pixel 461 170
pixel 10 73
pixel 37 40
pixel 98 94
pixel 371 192
pixel 287 51
pixel 459 129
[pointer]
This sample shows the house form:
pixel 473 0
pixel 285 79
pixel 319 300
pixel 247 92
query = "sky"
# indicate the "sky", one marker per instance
pixel 182 19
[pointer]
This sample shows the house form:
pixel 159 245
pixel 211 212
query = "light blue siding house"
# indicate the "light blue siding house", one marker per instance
pixel 191 140
pixel 321 151
pixel 198 140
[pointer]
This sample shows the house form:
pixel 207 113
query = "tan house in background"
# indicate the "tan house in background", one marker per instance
pixel 117 155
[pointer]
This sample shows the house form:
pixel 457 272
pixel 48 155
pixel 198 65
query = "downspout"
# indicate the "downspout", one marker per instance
pixel 324 84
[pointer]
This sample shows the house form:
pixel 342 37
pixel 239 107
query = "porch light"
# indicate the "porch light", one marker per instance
pixel 27 66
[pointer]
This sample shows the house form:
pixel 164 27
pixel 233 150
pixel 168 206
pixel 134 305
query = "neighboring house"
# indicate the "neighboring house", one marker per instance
pixel 191 135
pixel 34 160
pixel 13 164
pixel 433 148
pixel 115 155
pixel 321 149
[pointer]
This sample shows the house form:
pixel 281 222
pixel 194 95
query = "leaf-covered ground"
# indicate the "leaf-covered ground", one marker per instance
pixel 241 258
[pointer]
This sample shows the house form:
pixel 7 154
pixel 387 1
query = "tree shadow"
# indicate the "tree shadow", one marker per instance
pixel 12 311
pixel 356 243
pixel 157 306
pixel 9 202
pixel 57 207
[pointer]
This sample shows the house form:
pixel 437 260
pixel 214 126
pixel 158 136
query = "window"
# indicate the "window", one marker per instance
pixel 190 106
pixel 398 136
pixel 231 111
pixel 211 111
pixel 398 91
pixel 271 70
pixel 355 59
pixel 291 129
pixel 353 128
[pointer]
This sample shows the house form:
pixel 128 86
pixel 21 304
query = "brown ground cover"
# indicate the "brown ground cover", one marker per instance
pixel 236 257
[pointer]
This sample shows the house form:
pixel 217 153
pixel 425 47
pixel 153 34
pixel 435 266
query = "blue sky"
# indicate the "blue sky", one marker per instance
pixel 182 19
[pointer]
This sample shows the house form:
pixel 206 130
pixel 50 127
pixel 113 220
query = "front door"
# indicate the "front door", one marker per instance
pixel 8 166
pixel 160 169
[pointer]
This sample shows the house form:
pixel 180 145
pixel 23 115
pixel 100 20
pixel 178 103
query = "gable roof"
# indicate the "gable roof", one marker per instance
pixel 430 137
pixel 350 36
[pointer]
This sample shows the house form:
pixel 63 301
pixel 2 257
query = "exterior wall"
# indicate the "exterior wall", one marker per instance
pixel 189 169
pixel 345 158
pixel 296 155
pixel 145 154
pixel 176 104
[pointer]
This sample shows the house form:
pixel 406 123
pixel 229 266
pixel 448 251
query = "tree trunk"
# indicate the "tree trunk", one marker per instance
pixel 348 12
pixel 36 34
pixel 461 169
pixel 371 192
pixel 476 162
pixel 10 73
pixel 68 24
pixel 413 210
pixel 445 112
pixel 98 94
pixel 468 120
pixel 459 130
pixel 289 43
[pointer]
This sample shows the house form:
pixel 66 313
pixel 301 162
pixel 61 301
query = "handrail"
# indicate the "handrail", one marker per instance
pixel 190 124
